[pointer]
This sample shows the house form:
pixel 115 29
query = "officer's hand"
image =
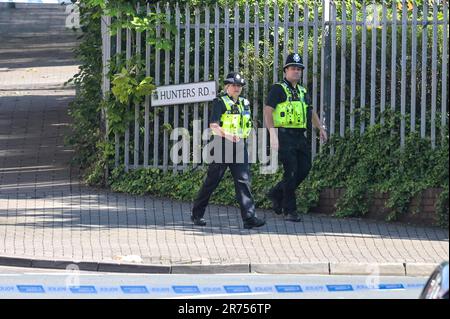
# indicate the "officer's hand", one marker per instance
pixel 232 138
pixel 274 142
pixel 323 135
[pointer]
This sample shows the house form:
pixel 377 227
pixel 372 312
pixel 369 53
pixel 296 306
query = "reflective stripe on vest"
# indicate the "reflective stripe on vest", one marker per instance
pixel 291 114
pixel 237 119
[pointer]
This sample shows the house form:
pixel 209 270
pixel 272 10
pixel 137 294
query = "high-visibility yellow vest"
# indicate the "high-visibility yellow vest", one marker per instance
pixel 291 114
pixel 237 119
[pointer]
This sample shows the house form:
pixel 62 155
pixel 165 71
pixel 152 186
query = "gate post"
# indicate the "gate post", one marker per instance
pixel 106 56
pixel 326 66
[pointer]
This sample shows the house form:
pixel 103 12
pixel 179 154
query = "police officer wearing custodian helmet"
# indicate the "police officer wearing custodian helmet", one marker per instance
pixel 288 109
pixel 231 124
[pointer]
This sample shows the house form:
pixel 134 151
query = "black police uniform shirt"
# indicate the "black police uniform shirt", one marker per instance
pixel 277 95
pixel 238 149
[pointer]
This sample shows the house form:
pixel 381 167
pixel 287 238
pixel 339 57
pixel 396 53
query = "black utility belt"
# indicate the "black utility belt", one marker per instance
pixel 292 130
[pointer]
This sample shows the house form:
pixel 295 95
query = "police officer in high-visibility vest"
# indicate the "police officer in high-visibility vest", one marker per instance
pixel 231 124
pixel 288 114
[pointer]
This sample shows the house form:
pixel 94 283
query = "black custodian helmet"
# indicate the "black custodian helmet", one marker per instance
pixel 234 78
pixel 294 59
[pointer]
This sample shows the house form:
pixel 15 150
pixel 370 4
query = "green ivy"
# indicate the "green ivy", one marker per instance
pixel 127 86
pixel 374 163
pixel 184 185
pixel 129 83
pixel 85 110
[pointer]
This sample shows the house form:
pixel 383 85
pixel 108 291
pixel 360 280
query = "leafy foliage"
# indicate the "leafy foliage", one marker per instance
pixel 86 108
pixel 374 163
pixel 127 87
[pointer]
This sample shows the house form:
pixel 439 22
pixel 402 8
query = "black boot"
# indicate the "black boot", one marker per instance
pixel 293 217
pixel 198 221
pixel 276 203
pixel 253 222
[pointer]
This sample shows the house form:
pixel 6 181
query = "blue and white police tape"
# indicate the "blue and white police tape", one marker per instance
pixel 198 290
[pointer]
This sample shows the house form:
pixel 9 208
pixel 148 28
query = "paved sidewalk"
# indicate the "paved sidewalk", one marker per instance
pixel 48 218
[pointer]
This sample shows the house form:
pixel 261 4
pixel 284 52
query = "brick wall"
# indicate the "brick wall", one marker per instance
pixel 423 203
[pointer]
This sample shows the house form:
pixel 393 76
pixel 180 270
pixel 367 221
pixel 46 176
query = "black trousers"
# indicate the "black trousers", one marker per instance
pixel 295 156
pixel 241 177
